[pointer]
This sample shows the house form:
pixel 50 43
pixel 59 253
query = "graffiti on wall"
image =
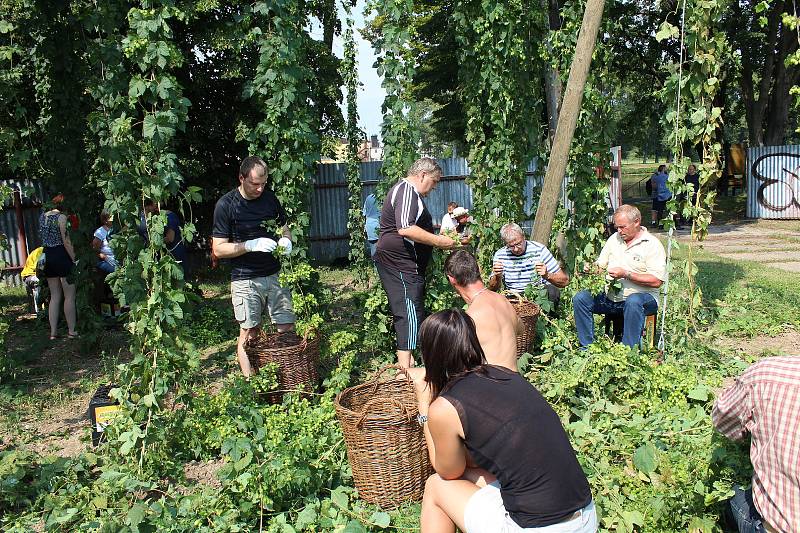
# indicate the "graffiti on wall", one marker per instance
pixel 777 178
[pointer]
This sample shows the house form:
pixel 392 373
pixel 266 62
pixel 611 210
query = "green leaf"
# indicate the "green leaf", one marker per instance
pixel 5 26
pixel 136 515
pixel 137 87
pixel 699 393
pixel 244 462
pixel 380 519
pixel 633 518
pixel 306 517
pixel 666 31
pixel 339 497
pixel 354 526
pixel 645 458
pixel 698 116
pixel 149 400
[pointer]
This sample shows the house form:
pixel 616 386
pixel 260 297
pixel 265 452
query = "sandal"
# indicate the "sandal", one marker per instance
pixel 73 336
pixel 55 337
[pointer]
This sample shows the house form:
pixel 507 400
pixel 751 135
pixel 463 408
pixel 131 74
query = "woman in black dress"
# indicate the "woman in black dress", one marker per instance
pixel 59 261
pixel 502 458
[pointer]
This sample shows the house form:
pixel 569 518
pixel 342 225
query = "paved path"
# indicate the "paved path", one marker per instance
pixel 751 241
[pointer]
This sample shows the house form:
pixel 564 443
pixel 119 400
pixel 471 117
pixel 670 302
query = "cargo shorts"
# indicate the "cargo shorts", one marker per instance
pixel 251 296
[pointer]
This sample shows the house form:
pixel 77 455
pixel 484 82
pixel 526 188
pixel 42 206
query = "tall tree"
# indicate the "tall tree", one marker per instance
pixel 764 42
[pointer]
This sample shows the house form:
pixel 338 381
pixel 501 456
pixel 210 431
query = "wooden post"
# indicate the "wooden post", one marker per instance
pixel 22 239
pixel 567 119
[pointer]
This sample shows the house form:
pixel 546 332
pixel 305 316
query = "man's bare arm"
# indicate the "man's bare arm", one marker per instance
pixel 559 279
pixel 227 250
pixel 417 234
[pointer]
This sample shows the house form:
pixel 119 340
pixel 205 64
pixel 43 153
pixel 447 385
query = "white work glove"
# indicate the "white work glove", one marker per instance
pixel 262 244
pixel 286 244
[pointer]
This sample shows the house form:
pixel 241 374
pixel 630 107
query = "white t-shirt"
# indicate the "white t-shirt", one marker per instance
pixel 448 223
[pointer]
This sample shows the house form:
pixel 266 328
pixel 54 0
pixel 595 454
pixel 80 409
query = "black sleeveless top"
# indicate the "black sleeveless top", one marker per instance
pixel 511 431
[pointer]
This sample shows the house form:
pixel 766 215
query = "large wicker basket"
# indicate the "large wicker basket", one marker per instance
pixel 528 312
pixel 385 444
pixel 297 363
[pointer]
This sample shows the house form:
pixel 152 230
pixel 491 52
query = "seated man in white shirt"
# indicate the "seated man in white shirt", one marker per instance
pixel 637 259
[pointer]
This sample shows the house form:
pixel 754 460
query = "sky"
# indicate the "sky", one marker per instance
pixel 370 95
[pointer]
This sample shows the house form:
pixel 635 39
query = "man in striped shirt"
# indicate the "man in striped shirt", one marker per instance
pixel 765 402
pixel 521 263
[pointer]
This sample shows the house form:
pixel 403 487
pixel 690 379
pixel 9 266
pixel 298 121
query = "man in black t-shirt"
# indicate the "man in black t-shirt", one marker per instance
pixel 404 248
pixel 242 234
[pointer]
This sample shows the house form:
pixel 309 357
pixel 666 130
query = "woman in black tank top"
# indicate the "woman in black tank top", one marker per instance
pixel 503 461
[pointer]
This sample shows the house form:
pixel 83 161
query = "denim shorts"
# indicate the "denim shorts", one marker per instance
pixel 251 296
pixel 485 513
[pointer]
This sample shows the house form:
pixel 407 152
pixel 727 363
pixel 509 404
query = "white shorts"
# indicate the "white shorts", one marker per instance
pixel 485 513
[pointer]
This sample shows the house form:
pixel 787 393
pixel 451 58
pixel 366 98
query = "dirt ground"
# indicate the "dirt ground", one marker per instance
pixel 786 343
pixel 203 473
pixel 773 243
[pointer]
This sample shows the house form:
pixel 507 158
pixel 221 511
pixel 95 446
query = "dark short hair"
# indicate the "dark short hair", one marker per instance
pixel 662 168
pixel 463 267
pixel 450 349
pixel 249 163
pixel 452 204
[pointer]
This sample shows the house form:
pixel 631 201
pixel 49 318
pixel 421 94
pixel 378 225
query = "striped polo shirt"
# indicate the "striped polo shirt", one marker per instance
pixel 519 271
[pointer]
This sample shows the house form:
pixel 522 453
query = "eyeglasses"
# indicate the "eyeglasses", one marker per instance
pixel 515 245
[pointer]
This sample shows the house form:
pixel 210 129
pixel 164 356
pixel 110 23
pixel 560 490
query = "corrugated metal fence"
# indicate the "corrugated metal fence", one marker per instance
pixel 328 233
pixel 330 239
pixel 29 196
pixel 773 182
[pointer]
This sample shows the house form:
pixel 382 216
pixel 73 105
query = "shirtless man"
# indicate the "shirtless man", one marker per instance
pixel 496 322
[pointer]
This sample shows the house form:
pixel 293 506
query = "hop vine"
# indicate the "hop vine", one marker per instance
pixel 355 217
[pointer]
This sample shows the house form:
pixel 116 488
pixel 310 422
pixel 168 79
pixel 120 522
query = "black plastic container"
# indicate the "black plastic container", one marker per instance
pixel 101 410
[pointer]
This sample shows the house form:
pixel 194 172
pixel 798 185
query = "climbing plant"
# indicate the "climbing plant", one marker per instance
pixel 140 109
pixel 587 170
pixel 695 120
pixel 355 216
pixel 500 67
pixel 287 132
pixel 399 131
pixel 17 125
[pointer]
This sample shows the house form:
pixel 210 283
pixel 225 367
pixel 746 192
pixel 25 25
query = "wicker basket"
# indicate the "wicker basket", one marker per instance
pixel 385 444
pixel 528 312
pixel 297 363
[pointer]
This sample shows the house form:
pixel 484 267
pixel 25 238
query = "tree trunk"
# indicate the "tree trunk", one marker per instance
pixel 780 99
pixel 567 120
pixel 552 79
pixel 756 107
pixel 553 90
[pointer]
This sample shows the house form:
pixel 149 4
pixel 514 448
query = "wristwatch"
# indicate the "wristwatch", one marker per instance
pixel 421 419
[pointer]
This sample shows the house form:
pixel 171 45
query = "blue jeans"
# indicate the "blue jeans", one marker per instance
pixel 633 309
pixel 744 512
pixel 107 266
